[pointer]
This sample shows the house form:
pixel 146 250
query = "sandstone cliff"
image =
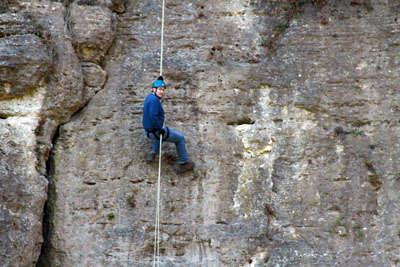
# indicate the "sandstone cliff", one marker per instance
pixel 291 111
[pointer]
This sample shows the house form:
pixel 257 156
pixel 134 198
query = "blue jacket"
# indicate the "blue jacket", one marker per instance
pixel 153 113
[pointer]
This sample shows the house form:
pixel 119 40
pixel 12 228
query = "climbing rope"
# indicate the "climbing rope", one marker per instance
pixel 156 256
pixel 162 37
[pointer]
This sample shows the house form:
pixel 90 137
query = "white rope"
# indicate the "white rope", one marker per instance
pixel 156 256
pixel 162 37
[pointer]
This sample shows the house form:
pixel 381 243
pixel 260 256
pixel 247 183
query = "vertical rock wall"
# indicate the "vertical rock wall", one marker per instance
pixel 42 84
pixel 290 110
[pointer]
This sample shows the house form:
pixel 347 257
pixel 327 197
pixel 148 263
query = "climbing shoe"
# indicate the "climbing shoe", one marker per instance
pixel 151 157
pixel 184 167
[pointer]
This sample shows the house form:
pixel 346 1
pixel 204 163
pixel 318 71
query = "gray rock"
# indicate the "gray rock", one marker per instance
pixel 94 75
pixel 25 63
pixel 17 24
pixel 291 113
pixel 23 193
pixel 94 78
pixel 64 93
pixel 341 231
pixel 272 175
pixel 93 31
pixel 47 84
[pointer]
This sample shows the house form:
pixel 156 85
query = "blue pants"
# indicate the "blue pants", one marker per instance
pixel 173 137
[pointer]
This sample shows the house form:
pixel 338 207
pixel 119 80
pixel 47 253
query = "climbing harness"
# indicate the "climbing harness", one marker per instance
pixel 154 132
pixel 156 256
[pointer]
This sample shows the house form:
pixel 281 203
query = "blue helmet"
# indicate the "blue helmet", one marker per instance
pixel 159 82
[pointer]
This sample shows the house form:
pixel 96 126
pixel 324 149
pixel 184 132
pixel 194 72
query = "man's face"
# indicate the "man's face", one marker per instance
pixel 159 91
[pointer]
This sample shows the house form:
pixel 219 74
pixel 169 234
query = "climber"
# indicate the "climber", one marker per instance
pixel 153 122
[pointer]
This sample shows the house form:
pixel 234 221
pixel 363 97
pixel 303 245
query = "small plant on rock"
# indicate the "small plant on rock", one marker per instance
pixel 375 182
pixel 358 231
pixel 282 27
pixel 357 133
pixel 132 201
pixel 39 170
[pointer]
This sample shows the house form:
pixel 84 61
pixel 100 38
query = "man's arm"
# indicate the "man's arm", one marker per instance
pixel 154 114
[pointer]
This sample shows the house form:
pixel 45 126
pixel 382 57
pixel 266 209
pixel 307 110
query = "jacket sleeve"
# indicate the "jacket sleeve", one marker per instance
pixel 155 115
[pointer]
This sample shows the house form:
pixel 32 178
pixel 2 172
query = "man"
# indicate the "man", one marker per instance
pixel 153 124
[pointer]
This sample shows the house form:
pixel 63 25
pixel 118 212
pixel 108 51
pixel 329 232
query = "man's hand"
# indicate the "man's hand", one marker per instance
pixel 162 131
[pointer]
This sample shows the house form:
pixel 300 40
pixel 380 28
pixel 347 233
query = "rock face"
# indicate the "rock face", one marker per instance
pixel 93 44
pixel 23 193
pixel 42 85
pixel 290 110
pixel 24 63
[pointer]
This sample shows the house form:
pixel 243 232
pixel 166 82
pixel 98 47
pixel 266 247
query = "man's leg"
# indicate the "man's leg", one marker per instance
pixel 155 149
pixel 156 145
pixel 179 140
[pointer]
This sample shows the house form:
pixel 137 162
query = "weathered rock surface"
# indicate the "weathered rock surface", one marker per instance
pixel 24 64
pixel 290 111
pixel 15 24
pixel 91 45
pixel 42 86
pixel 23 193
pixel 94 78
